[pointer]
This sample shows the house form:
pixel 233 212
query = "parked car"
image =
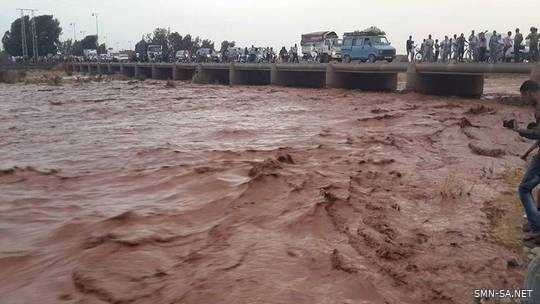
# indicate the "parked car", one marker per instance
pixel 120 57
pixel 106 57
pixel 367 46
pixel 233 54
pixel 182 56
pixel 207 55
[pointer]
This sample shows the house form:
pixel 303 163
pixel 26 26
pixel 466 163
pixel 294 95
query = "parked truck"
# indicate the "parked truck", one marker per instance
pixel 90 55
pixel 155 52
pixel 326 44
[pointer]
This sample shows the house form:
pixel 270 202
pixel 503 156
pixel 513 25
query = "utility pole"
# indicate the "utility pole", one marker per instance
pixel 74 32
pixel 97 28
pixel 23 36
pixel 35 51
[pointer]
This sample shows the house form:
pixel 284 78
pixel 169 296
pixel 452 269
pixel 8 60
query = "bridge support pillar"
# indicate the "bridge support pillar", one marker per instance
pixel 211 76
pixel 249 77
pixel 232 75
pixel 69 68
pixel 93 69
pixel 370 81
pixel 174 72
pixel 109 69
pixel 161 72
pixel 535 73
pixel 304 79
pixel 464 85
pixel 154 72
pixel 275 76
pixel 128 70
pixel 137 73
pixel 183 72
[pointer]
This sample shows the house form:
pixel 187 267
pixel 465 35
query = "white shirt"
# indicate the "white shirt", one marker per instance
pixel 508 41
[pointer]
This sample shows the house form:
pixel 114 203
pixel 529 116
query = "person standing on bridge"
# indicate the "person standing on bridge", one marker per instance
pixel 518 39
pixel 493 47
pixel 437 50
pixel 428 49
pixel 446 46
pixel 291 55
pixel 482 46
pixel 294 51
pixel 455 48
pixel 508 42
pixel 461 41
pixel 410 49
pixel 533 44
pixel 283 54
pixel 473 46
pixel 422 50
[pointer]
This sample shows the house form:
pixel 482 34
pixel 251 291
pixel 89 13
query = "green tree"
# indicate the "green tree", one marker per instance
pixel 186 42
pixel 161 36
pixel 89 42
pixel 140 48
pixel 225 45
pixel 48 31
pixel 175 42
pixel 66 47
pixel 196 43
pixel 102 49
pixel 77 49
pixel 206 43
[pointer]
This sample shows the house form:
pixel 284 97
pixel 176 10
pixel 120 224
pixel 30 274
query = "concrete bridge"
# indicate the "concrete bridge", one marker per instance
pixel 462 79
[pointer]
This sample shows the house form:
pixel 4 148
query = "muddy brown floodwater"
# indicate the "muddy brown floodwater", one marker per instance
pixel 131 192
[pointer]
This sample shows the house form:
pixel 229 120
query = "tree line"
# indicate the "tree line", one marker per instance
pixel 173 42
pixel 48 31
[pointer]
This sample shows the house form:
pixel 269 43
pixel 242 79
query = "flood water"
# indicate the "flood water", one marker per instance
pixel 131 192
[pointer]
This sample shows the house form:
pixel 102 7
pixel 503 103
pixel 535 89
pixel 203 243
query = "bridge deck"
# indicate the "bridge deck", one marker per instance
pixel 463 79
pixel 435 68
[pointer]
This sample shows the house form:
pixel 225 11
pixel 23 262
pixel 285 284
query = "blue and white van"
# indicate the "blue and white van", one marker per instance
pixel 366 46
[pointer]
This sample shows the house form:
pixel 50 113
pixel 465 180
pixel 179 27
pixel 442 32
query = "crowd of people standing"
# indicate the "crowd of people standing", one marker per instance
pixel 482 47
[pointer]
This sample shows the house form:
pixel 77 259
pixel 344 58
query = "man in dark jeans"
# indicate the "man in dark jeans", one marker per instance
pixel 518 39
pixel 533 38
pixel 482 46
pixel 530 94
pixel 461 47
pixel 410 49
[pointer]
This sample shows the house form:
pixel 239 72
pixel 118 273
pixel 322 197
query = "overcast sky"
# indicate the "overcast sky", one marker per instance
pixel 279 22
